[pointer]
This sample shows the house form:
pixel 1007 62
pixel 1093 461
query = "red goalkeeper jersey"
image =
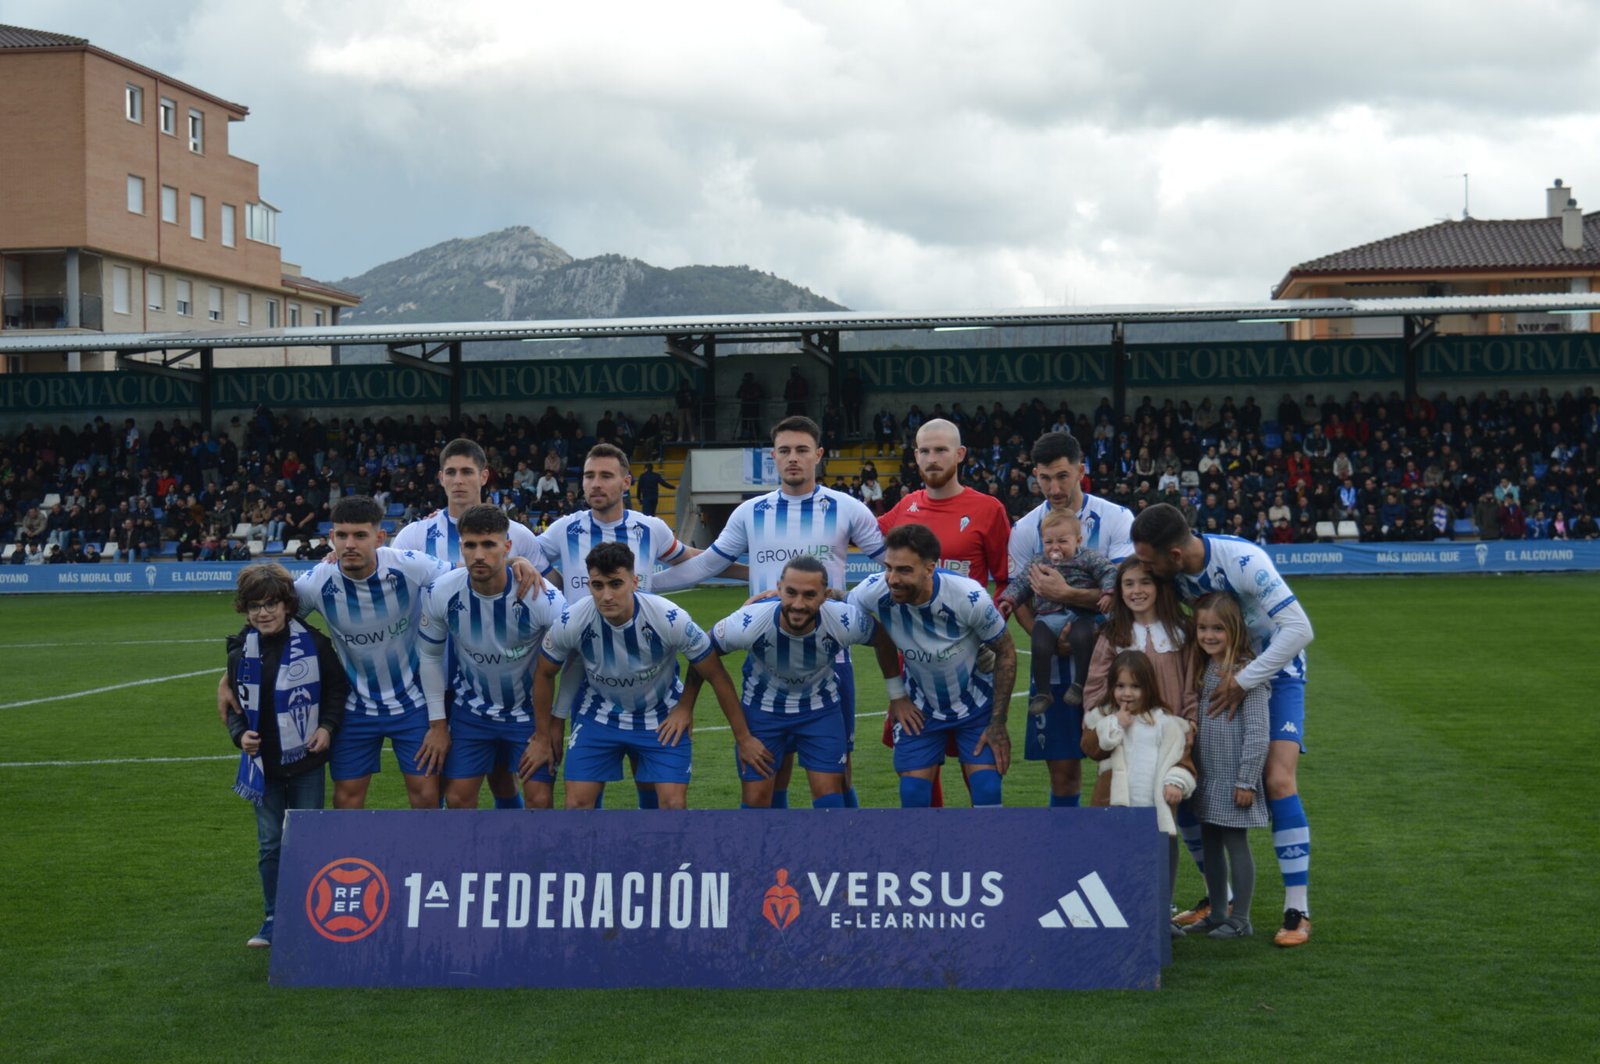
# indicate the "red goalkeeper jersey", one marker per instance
pixel 973 529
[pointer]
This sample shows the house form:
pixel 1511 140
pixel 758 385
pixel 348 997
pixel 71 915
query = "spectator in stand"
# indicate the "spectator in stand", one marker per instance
pixel 796 391
pixel 1513 521
pixel 1487 517
pixel 883 431
pixel 648 489
pixel 853 393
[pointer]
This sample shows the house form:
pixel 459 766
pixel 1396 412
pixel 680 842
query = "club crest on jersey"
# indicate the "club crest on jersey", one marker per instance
pixel 824 503
pixel 649 632
pixel 964 522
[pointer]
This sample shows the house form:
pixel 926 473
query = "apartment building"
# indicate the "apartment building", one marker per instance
pixel 123 211
pixel 1556 253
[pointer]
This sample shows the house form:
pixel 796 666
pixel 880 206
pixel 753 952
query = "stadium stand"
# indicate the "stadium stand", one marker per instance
pixel 1372 468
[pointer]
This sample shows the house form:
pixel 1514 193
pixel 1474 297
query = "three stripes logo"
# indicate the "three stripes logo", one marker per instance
pixel 1071 908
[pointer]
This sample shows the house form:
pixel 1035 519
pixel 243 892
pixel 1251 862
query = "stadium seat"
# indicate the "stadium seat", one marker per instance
pixel 276 546
pixel 1349 530
pixel 391 527
pixel 1189 478
pixel 169 547
pixel 325 528
pixel 284 548
pixel 50 500
pixel 10 549
pixel 1465 529
pixel 241 530
pixel 395 509
pixel 1325 531
pixel 256 547
pixel 1272 439
pixel 159 512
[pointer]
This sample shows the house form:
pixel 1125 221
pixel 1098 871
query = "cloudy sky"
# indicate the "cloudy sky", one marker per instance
pixel 888 154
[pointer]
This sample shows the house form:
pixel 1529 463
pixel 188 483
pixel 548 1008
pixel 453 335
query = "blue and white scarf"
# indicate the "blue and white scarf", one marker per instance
pixel 296 696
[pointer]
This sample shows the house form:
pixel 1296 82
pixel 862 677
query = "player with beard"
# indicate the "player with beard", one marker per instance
pixel 567 543
pixel 800 517
pixel 973 529
pixel 463 474
pixel 791 691
pixel 1054 735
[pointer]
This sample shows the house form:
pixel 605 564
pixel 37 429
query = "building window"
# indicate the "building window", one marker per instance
pixel 197 131
pixel 197 216
pixel 185 298
pixel 228 215
pixel 272 313
pixel 133 103
pixel 121 289
pixel 169 204
pixel 156 289
pixel 317 318
pixel 168 114
pixel 242 305
pixel 135 194
pixel 294 315
pixel 261 222
pixel 214 303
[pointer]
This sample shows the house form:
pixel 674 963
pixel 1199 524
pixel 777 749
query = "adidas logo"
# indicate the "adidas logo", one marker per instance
pixel 1288 726
pixel 1077 914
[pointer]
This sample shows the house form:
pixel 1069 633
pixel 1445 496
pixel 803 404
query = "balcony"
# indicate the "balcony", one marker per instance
pixel 48 310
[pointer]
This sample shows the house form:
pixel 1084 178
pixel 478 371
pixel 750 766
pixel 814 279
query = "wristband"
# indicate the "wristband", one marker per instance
pixel 895 686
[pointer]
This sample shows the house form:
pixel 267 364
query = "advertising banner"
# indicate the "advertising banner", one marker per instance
pixel 1497 556
pixel 1065 898
pixel 1310 559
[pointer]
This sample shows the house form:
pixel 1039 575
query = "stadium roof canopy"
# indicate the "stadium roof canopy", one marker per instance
pixel 751 328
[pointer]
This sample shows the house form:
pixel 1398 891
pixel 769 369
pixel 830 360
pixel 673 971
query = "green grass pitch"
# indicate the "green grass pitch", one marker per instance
pixel 1455 879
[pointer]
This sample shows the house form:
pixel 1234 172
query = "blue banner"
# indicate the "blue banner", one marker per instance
pixel 146 576
pixel 1061 898
pixel 1495 556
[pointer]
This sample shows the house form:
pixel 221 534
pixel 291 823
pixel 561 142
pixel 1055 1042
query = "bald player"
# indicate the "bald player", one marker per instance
pixel 973 529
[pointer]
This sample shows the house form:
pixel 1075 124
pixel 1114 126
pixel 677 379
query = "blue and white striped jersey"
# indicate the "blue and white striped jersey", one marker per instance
pixel 775 527
pixel 437 537
pixel 373 623
pixel 567 542
pixel 492 640
pixel 939 641
pixel 1246 572
pixel 1107 528
pixel 785 673
pixel 630 671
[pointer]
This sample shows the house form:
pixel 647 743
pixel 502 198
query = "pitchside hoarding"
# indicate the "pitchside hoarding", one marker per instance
pixel 850 898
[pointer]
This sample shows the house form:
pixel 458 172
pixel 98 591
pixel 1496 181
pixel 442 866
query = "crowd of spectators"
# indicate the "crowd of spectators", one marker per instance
pixel 1487 466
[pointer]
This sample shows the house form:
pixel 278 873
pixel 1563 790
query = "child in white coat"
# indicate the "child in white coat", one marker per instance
pixel 1143 750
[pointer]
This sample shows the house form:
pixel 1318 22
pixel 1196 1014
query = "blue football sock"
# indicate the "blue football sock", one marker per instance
pixel 512 802
pixel 1064 801
pixel 1189 828
pixel 828 801
pixel 915 793
pixel 648 800
pixel 780 799
pixel 985 787
pixel 850 800
pixel 1291 840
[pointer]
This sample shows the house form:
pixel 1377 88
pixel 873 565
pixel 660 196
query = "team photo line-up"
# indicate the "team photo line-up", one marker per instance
pixel 484 652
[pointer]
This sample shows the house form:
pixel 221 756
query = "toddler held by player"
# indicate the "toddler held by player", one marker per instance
pixel 1231 752
pixel 1143 750
pixel 1059 629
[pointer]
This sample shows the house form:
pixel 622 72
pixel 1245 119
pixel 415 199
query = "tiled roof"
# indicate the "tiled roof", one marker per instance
pixel 22 37
pixel 306 284
pixel 1471 244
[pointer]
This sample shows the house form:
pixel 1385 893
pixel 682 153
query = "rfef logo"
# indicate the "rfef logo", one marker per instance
pixel 781 904
pixel 347 900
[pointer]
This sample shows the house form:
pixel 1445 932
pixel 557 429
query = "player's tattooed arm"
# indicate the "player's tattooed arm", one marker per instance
pixel 996 737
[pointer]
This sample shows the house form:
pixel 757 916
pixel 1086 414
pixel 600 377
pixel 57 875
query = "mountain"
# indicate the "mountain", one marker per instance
pixel 516 274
